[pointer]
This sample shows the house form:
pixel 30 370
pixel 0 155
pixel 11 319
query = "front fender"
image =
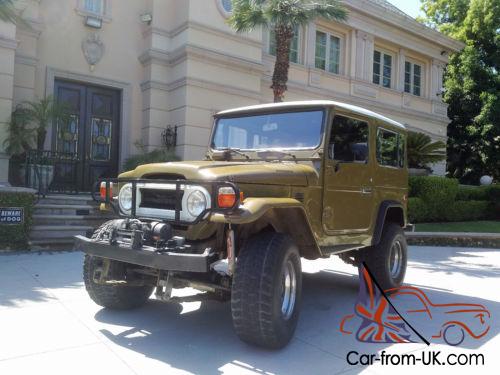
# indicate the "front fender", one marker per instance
pixel 285 215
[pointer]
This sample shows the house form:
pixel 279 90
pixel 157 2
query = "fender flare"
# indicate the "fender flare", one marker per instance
pixel 381 217
pixel 286 215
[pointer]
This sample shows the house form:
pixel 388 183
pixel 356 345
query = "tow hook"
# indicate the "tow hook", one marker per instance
pixel 164 287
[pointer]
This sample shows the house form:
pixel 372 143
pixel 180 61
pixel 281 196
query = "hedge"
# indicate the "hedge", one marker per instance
pixel 435 198
pixel 16 236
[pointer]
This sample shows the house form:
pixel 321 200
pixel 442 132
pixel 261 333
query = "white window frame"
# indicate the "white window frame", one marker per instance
pixel 105 15
pixel 299 45
pixel 341 38
pixel 383 52
pixel 412 77
pixel 223 10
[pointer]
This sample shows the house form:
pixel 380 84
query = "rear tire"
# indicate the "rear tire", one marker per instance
pixel 119 297
pixel 387 261
pixel 266 291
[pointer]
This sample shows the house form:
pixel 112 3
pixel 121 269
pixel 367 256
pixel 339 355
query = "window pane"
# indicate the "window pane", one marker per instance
pixel 376 67
pixel 349 140
pixel 387 148
pixel 94 6
pixel 376 78
pixel 416 79
pixel 407 76
pixel 334 59
pixel 320 61
pixel 275 130
pixel 376 56
pixel 294 45
pixel 401 150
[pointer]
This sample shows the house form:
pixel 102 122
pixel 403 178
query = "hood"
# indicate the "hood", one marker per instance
pixel 284 173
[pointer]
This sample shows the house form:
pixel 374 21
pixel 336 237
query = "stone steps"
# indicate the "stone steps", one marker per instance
pixel 58 218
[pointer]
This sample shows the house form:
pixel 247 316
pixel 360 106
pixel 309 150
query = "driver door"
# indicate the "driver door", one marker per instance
pixel 348 194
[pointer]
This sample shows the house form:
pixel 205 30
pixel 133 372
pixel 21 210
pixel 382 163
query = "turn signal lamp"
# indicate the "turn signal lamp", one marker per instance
pixel 226 198
pixel 102 190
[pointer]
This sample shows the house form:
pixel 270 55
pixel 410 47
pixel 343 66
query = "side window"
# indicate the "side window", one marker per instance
pixel 348 140
pixel 390 148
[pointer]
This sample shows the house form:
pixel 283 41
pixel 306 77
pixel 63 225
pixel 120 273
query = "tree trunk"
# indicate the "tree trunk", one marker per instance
pixel 284 36
pixel 40 139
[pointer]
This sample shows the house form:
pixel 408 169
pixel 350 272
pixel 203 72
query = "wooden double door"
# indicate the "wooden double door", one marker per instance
pixel 91 134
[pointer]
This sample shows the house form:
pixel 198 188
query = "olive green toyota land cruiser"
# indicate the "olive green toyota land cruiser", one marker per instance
pixel 280 182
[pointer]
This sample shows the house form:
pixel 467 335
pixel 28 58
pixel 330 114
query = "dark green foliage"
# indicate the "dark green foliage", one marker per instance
pixel 417 210
pixel 442 199
pixel 437 193
pixel 156 156
pixel 16 236
pixel 472 84
pixel 422 151
pixel 467 210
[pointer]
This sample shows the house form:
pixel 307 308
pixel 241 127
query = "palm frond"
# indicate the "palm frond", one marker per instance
pixel 247 15
pixel 422 150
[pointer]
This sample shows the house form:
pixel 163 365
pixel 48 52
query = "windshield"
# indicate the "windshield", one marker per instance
pixel 291 130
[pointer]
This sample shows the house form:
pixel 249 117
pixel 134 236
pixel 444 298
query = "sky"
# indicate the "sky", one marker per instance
pixel 410 7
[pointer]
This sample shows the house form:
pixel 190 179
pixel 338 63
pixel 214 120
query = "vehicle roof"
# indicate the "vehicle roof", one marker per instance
pixel 311 103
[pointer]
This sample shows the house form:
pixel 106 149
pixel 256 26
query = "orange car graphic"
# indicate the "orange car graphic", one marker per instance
pixel 379 322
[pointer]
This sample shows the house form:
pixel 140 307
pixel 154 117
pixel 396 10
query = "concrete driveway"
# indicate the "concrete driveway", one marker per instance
pixel 48 325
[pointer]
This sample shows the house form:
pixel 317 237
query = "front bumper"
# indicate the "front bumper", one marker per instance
pixel 147 256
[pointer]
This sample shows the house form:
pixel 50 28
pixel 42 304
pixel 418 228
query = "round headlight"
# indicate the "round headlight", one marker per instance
pixel 125 198
pixel 196 203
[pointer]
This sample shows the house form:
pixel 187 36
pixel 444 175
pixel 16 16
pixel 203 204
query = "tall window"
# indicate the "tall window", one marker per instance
pixel 294 46
pixel 327 54
pixel 94 6
pixel 382 69
pixel 413 78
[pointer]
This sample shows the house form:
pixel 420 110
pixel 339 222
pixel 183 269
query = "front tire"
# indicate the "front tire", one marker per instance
pixel 267 290
pixel 118 297
pixel 387 261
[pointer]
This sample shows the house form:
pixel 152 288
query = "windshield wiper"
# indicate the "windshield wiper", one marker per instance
pixel 277 154
pixel 229 151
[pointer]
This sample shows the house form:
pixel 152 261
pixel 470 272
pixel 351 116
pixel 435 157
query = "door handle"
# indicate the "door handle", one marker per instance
pixel 366 190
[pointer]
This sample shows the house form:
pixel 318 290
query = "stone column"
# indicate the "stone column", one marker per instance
pixel 352 54
pixel 364 55
pixel 310 45
pixel 8 45
pixel 400 80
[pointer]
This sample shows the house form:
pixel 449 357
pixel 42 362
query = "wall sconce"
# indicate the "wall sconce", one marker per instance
pixel 147 18
pixel 94 22
pixel 169 136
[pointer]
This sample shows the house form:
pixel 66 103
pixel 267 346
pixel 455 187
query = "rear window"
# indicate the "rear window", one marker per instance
pixel 390 148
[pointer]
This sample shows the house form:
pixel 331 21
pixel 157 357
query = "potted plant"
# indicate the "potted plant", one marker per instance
pixel 422 151
pixel 28 126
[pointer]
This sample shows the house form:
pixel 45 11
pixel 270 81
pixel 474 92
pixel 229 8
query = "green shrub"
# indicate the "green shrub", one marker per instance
pixel 417 210
pixel 156 156
pixel 438 193
pixel 467 210
pixel 472 193
pixel 16 236
pixel 493 192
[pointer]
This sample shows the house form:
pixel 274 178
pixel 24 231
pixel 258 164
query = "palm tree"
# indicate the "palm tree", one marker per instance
pixel 8 13
pixel 284 16
pixel 42 113
pixel 422 151
pixel 19 135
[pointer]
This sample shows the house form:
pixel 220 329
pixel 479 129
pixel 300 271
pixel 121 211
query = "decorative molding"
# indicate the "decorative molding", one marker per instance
pixel 26 60
pixel 193 25
pixel 8 43
pixel 364 91
pixel 375 9
pixel 93 49
pixel 188 81
pixel 190 51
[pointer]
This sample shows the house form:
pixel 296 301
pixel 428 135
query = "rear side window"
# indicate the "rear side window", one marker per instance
pixel 390 148
pixel 348 140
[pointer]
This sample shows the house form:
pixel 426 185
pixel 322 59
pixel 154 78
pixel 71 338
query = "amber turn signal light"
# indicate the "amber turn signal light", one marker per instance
pixel 102 190
pixel 226 198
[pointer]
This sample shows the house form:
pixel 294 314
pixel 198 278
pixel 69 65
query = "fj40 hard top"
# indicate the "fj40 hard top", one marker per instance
pixel 279 182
